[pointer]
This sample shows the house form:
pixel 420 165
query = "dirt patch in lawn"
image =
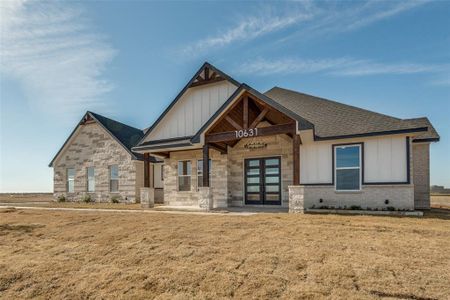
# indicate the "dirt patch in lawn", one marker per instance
pixel 79 255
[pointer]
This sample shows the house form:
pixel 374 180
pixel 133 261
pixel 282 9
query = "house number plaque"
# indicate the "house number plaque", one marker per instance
pixel 246 133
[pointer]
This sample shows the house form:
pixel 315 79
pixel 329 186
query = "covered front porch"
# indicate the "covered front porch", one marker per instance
pixel 251 151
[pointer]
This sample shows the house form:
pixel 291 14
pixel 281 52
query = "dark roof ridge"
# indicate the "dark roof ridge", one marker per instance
pixel 332 101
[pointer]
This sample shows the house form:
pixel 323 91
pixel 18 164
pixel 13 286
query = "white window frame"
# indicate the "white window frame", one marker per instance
pixel 347 168
pixel 68 180
pixel 87 180
pixel 201 173
pixel 178 176
pixel 111 179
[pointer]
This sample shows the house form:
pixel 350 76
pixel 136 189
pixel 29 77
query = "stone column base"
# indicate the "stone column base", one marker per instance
pixel 296 199
pixel 205 198
pixel 147 197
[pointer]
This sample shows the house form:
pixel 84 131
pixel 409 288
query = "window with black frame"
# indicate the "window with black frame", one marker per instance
pixel 347 167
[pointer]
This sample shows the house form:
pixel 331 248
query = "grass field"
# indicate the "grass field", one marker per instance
pixel 440 201
pixel 80 255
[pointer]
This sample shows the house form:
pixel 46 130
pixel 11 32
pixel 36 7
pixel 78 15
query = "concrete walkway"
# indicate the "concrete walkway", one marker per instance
pixel 175 212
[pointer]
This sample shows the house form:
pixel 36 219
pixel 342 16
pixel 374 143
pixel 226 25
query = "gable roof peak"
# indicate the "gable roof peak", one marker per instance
pixel 191 83
pixel 127 136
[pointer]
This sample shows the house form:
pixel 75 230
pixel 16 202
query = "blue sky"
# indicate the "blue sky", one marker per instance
pixel 128 59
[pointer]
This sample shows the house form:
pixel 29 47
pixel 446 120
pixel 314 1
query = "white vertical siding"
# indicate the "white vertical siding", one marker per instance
pixel 192 110
pixel 157 180
pixel 385 160
pixel 316 163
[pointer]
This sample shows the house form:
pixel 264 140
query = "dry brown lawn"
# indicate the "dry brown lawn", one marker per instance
pixel 440 201
pixel 82 255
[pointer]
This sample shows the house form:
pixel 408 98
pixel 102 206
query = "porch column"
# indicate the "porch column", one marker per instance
pixel 206 165
pixel 146 170
pixel 296 159
pixel 147 194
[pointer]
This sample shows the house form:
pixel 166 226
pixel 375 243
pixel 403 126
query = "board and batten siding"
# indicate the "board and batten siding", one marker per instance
pixel 157 180
pixel 192 110
pixel 384 160
pixel 316 163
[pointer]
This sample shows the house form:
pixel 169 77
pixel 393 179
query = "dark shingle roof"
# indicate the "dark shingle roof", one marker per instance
pixel 127 135
pixel 333 119
pixel 430 135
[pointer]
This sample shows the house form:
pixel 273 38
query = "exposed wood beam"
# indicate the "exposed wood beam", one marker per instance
pixel 222 150
pixel 222 117
pixel 233 122
pixel 263 131
pixel 245 114
pixel 259 117
pixel 206 165
pixel 296 158
pixel 162 154
pixel 213 75
pixel 217 79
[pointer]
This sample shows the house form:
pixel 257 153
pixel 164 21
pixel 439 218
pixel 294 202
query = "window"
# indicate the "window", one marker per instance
pixel 200 172
pixel 348 167
pixel 184 175
pixel 90 179
pixel 162 172
pixel 114 178
pixel 70 180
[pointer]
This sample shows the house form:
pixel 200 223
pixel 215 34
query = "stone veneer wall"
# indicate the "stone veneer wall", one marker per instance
pixel 371 196
pixel 277 145
pixel 94 147
pixel 218 180
pixel 421 175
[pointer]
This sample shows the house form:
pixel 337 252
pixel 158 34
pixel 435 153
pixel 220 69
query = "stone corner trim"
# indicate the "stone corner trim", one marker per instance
pixel 205 200
pixel 147 197
pixel 296 199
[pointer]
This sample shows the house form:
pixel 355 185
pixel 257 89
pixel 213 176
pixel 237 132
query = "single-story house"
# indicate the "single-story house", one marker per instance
pixel 96 161
pixel 280 148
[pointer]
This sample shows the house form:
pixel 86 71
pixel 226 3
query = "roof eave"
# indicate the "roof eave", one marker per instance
pixel 377 133
pixel 427 140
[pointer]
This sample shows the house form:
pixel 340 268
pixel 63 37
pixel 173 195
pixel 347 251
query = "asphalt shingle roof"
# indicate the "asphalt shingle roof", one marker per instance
pixel 334 119
pixel 430 135
pixel 127 135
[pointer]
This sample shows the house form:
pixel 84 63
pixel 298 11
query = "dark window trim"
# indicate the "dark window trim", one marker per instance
pixel 361 144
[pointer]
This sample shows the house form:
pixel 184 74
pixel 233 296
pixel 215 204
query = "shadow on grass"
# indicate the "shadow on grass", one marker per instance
pixel 437 213
pixel 22 228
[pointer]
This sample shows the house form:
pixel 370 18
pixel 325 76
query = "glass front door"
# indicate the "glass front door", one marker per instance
pixel 263 181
